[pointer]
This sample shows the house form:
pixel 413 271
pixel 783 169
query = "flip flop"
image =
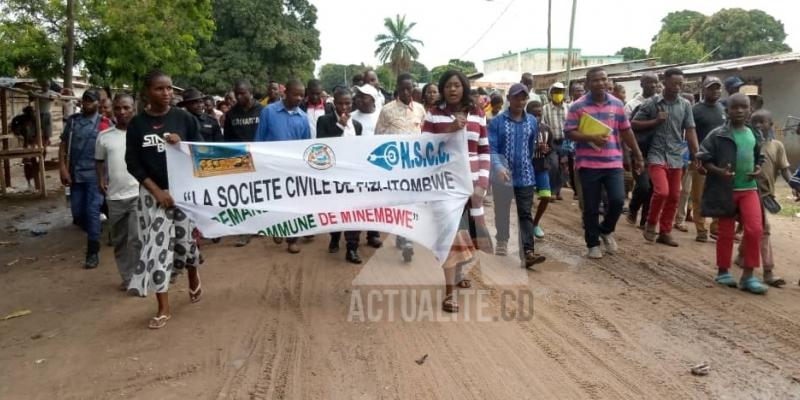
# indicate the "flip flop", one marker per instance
pixel 194 295
pixel 159 321
pixel 753 285
pixel 449 304
pixel 726 279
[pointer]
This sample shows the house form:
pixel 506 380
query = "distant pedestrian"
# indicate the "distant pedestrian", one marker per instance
pixel 193 102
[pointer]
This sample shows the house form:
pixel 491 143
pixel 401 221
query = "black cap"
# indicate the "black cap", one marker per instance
pixel 91 95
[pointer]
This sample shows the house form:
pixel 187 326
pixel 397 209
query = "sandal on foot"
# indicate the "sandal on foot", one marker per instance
pixel 158 322
pixel 725 279
pixel 449 304
pixel 464 284
pixel 753 285
pixel 194 295
pixel 774 281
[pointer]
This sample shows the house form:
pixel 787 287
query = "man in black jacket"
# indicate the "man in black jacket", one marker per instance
pixel 336 125
pixel 194 102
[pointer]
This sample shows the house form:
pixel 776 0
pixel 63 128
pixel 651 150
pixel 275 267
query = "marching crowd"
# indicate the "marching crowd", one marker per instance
pixel 660 146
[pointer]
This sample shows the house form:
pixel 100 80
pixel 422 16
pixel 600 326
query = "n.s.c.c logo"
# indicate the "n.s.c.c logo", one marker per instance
pixel 409 155
pixel 319 156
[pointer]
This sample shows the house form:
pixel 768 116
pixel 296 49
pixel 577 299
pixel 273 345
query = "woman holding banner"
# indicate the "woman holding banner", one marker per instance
pixel 165 234
pixel 455 113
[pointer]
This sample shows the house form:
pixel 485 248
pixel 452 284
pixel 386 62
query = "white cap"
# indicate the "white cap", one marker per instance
pixel 368 89
pixel 558 85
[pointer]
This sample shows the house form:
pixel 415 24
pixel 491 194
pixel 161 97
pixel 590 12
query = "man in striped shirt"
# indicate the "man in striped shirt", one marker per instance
pixel 599 160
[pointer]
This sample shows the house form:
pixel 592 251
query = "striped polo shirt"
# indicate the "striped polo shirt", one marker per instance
pixel 612 113
pixel 438 120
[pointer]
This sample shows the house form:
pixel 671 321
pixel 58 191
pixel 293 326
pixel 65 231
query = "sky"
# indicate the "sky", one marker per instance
pixel 449 28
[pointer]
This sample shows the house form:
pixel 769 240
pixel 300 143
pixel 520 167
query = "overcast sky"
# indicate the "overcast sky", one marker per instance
pixel 450 27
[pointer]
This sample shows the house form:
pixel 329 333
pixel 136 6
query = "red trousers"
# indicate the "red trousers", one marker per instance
pixel 749 208
pixel 666 193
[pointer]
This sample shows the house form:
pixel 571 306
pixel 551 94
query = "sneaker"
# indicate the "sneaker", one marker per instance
pixel 408 254
pixel 666 238
pixel 538 232
pixel 333 247
pixel 501 249
pixel 681 227
pixel 532 258
pixel 650 233
pixel 595 252
pixel 752 285
pixel 725 279
pixel 243 241
pixel 352 257
pixel 92 261
pixel 293 248
pixel 702 237
pixel 610 243
pixel 375 242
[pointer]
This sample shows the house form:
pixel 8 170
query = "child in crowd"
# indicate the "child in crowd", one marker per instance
pixel 732 156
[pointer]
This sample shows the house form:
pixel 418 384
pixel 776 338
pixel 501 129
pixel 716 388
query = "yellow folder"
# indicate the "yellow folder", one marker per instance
pixel 592 126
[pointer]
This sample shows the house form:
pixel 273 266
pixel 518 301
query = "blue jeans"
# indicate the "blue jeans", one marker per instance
pixel 593 181
pixel 85 201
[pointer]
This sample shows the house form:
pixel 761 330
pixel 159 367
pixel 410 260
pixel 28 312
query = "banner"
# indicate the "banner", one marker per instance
pixel 414 186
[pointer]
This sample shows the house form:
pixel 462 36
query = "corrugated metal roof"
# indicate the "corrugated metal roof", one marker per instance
pixel 717 66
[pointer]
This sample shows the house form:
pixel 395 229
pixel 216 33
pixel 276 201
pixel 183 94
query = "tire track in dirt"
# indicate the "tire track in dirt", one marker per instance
pixel 679 285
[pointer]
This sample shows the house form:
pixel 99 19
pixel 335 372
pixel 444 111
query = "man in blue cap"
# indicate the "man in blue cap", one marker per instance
pixel 77 168
pixel 732 86
pixel 513 141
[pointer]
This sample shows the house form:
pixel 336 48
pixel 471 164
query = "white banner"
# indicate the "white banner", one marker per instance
pixel 415 186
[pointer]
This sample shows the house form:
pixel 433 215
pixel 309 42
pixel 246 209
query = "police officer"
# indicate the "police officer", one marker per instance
pixel 194 102
pixel 77 170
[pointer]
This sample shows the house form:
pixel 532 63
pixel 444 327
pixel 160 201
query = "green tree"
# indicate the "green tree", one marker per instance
pixel 332 75
pixel 467 67
pixel 672 48
pixel 737 33
pixel 398 47
pixel 27 48
pixel 632 53
pixel 127 39
pixel 260 41
pixel 684 22
pixel 31 37
pixel 420 72
pixel 386 76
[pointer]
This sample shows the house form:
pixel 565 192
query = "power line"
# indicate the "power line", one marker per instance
pixel 488 29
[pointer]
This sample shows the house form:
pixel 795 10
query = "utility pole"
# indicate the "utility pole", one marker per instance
pixel 69 53
pixel 549 34
pixel 569 51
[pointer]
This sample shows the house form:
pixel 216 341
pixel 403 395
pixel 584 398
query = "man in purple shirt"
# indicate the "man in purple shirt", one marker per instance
pixel 599 160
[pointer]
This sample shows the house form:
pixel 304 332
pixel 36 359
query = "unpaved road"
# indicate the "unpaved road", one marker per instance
pixel 272 325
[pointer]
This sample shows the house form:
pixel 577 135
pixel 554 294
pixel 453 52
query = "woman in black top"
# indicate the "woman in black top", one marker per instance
pixel 165 234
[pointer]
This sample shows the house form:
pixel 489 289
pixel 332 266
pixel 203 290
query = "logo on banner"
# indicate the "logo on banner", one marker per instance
pixel 221 159
pixel 409 155
pixel 319 156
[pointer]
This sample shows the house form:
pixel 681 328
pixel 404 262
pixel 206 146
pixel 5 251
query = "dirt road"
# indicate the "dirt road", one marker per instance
pixel 272 325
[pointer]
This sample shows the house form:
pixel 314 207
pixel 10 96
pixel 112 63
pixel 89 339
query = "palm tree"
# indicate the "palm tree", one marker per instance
pixel 397 47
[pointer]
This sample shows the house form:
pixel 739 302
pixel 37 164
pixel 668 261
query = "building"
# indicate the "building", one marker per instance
pixel 772 76
pixel 535 60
